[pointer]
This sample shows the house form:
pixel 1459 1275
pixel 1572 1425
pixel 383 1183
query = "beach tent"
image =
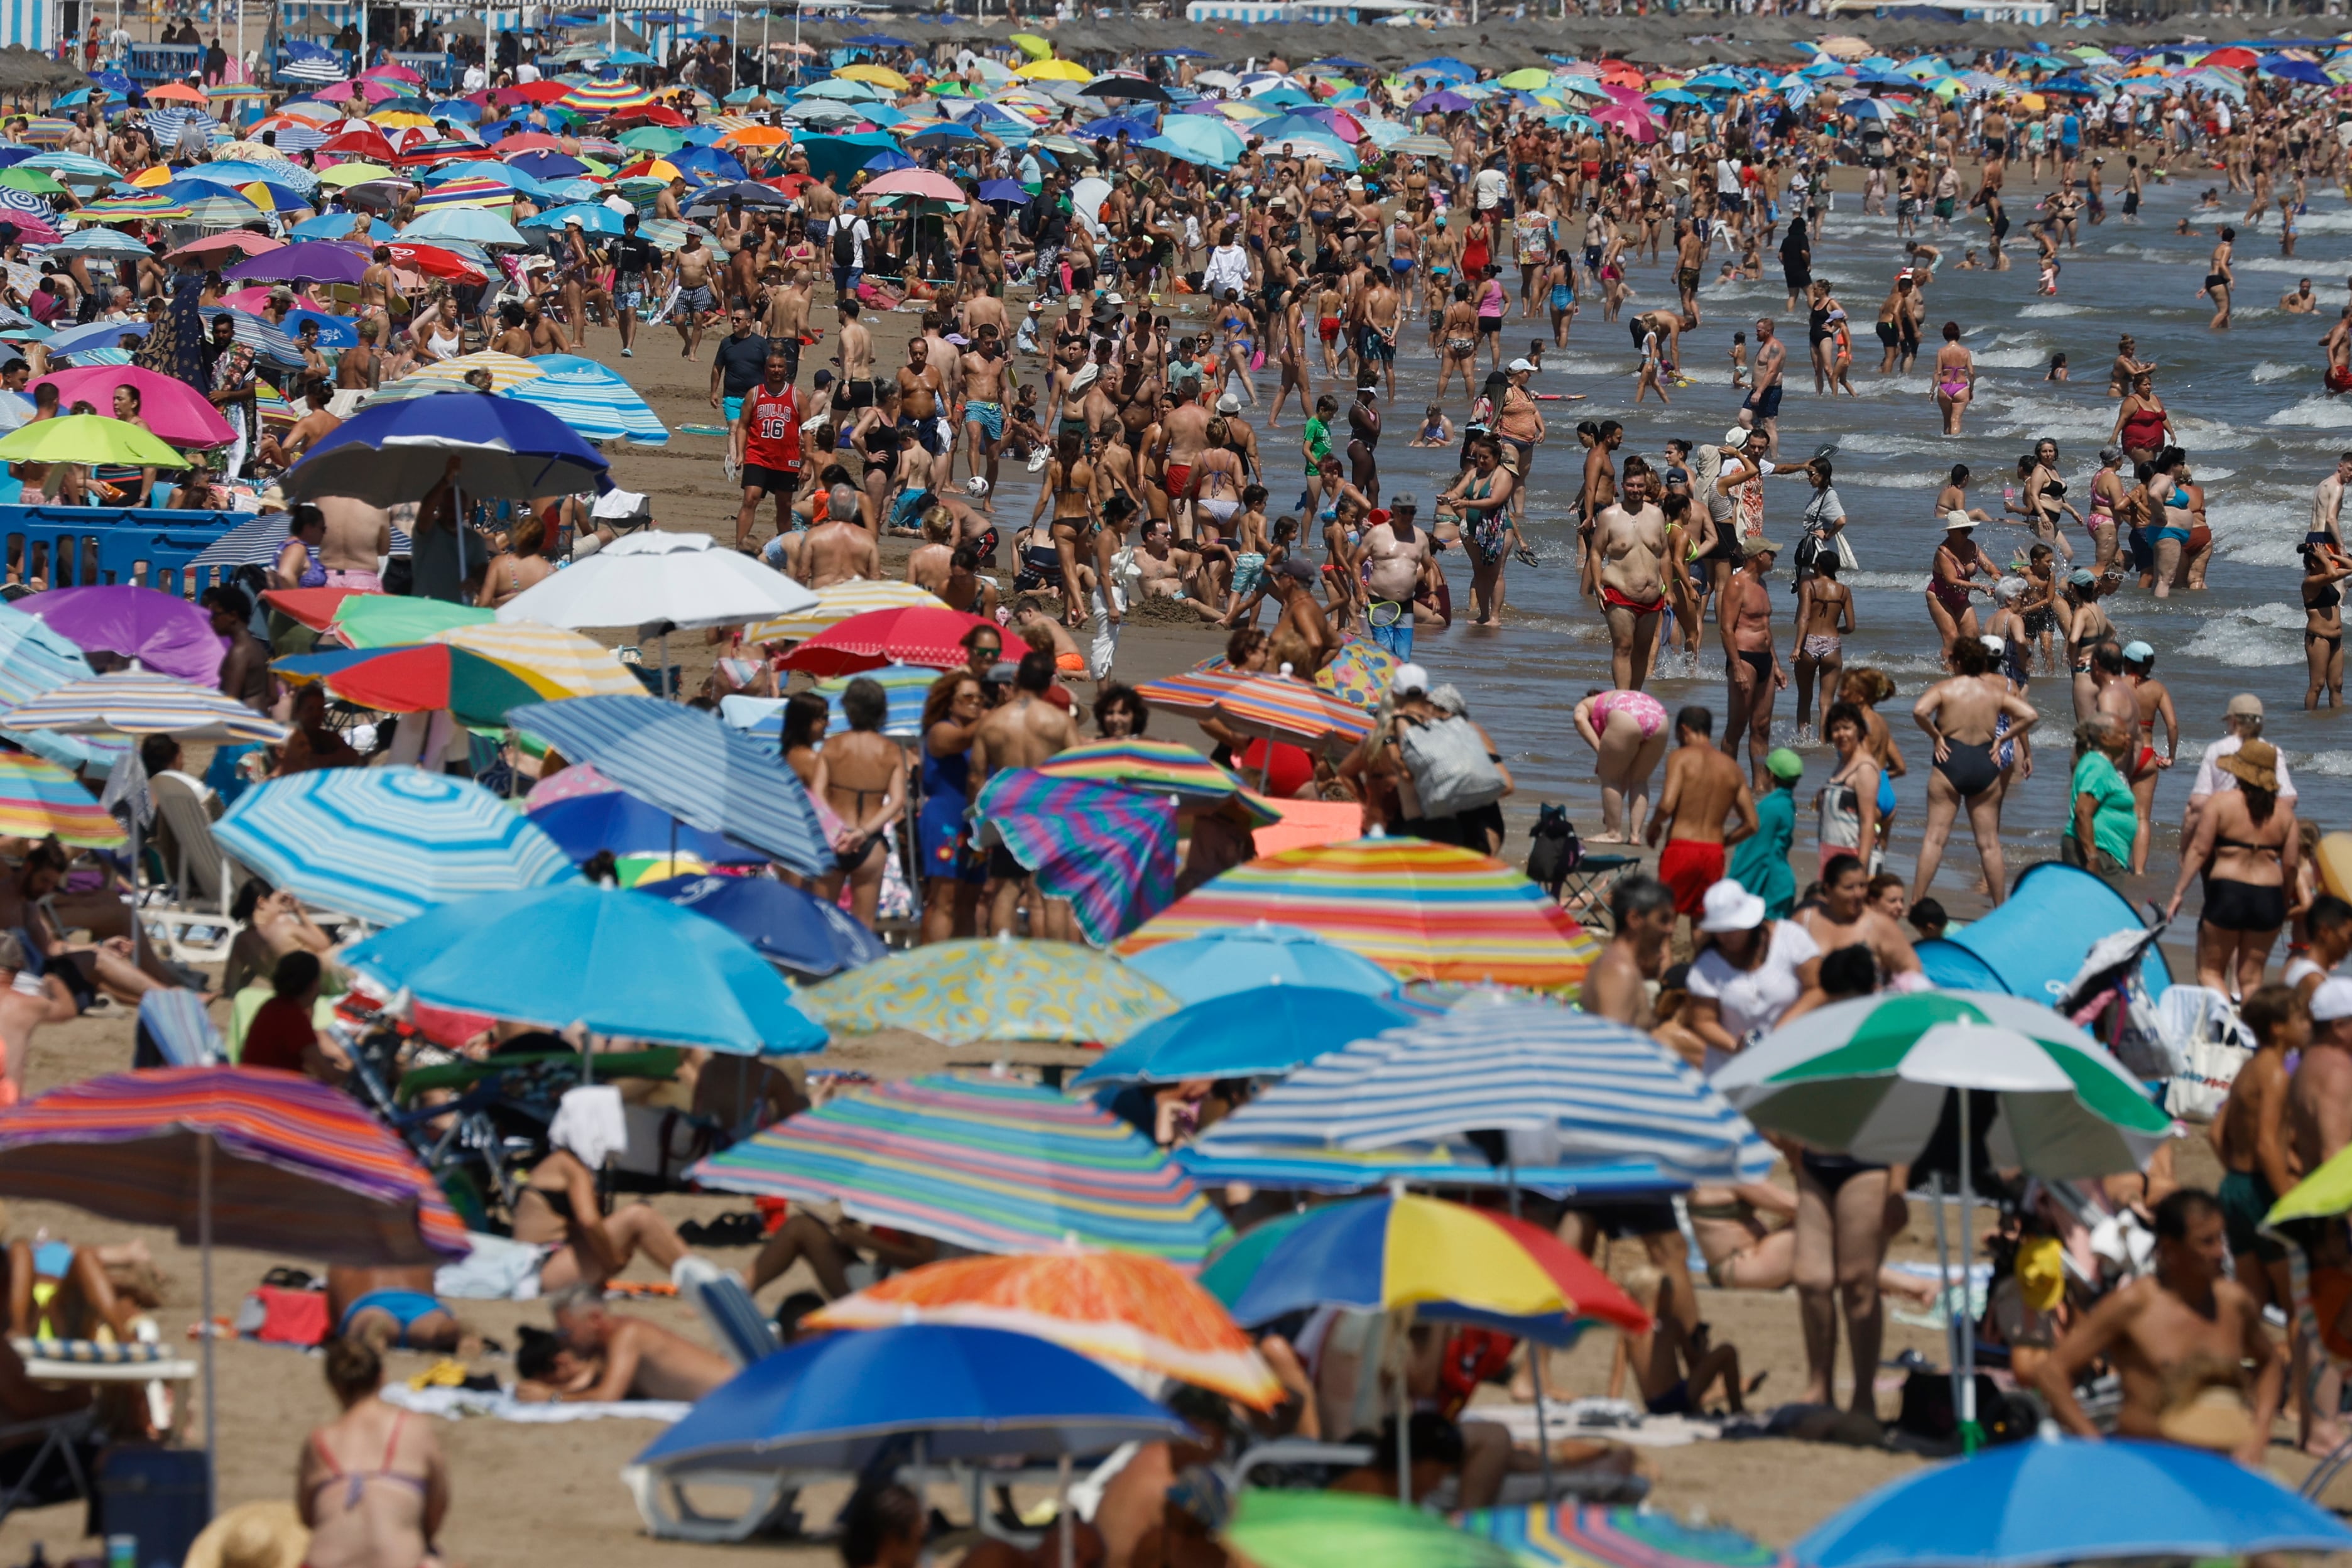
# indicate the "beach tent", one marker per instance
pixel 2033 944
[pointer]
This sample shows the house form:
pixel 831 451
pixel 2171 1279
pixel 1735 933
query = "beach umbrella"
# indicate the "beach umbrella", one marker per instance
pixel 988 1164
pixel 87 438
pixel 1139 1316
pixel 371 619
pixel 389 453
pixel 1261 1032
pixel 170 407
pixel 1201 138
pixel 1277 708
pixel 38 799
pixel 1583 1535
pixel 1111 851
pixel 913 633
pixel 1130 85
pixel 34 661
pixel 782 923
pixel 594 217
pixel 151 207
pixel 904 687
pixel 1231 959
pixel 601 100
pixel 311 261
pixel 1418 909
pixel 689 579
pixel 1360 675
pixel 1565 1085
pixel 100 241
pixel 507 372
pixel 926 184
pixel 839 602
pixel 692 766
pixel 1156 767
pixel 1031 45
pixel 1190 691
pixel 471 225
pixel 609 959
pixel 476 687
pixel 1336 1530
pixel 387 843
pixel 1422 145
pixel 1054 70
pixel 940 1392
pixel 2063 1499
pixel 974 991
pixel 874 76
pixel 161 631
pixel 619 822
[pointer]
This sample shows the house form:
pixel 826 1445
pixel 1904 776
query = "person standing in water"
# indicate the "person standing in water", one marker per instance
pixel 1961 716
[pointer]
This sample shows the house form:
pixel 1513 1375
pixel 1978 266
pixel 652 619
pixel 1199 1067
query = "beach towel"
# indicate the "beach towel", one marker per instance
pixel 452 1403
pixel 498 1269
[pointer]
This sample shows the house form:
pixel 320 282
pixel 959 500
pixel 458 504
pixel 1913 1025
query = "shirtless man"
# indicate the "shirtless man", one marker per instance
pixel 1690 258
pixel 2127 367
pixel 1744 613
pixel 1183 433
pixel 839 547
pixel 698 302
pixel 1630 543
pixel 856 355
pixel 1395 554
pixel 921 390
pixel 358 369
pixel 315 426
pixel 1617 986
pixel 1020 734
pixel 512 336
pixel 1707 805
pixel 1292 582
pixel 1669 328
pixel 1762 411
pixel 2300 300
pixel 986 373
pixel 1846 916
pixel 634 1359
pixel 1596 495
pixel 1379 314
pixel 2180 1340
pixel 1893 317
pixel 359 536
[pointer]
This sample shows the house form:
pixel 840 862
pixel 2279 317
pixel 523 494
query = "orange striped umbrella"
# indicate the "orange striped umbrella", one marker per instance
pixel 1283 710
pixel 1191 691
pixel 1134 1312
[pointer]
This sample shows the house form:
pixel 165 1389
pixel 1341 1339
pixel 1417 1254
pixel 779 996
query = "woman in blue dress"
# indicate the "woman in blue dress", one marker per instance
pixel 952 872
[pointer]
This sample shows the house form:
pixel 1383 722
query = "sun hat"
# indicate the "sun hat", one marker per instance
pixel 2254 762
pixel 1956 519
pixel 252 1535
pixel 1736 437
pixel 1730 907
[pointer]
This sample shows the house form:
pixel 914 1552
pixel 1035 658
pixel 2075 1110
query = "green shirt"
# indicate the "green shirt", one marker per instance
pixel 1317 444
pixel 2113 817
pixel 1760 864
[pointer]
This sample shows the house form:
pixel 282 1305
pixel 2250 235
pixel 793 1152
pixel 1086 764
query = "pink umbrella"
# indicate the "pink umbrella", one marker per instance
pixel 242 240
pixel 922 183
pixel 395 73
pixel 367 88
pixel 579 779
pixel 1343 124
pixel 1631 117
pixel 173 410
pixel 256 299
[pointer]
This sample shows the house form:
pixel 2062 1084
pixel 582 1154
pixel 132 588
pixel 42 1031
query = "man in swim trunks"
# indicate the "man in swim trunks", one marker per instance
pixel 1708 807
pixel 1395 552
pixel 388 1307
pixel 1630 539
pixel 985 373
pixel 1762 411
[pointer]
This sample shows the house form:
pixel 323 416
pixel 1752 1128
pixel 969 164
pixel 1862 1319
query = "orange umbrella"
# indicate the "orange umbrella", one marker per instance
pixel 179 91
pixel 1135 1313
pixel 756 136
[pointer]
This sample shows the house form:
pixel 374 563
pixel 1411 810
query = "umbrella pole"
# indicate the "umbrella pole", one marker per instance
pixel 1069 1531
pixel 1535 1353
pixel 1943 1288
pixel 1971 1436
pixel 212 1389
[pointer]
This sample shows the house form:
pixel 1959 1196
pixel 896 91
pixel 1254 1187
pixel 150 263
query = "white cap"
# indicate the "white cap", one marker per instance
pixel 1730 907
pixel 2332 1000
pixel 1409 677
pixel 1519 364
pixel 1993 644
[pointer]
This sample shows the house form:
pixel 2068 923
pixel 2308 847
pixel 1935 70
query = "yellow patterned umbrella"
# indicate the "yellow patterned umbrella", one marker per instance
pixel 1360 673
pixel 968 992
pixel 1055 70
pixel 838 604
pixel 877 76
pixel 581 666
pixel 506 370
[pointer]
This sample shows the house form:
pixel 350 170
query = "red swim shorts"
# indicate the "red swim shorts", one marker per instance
pixel 1690 868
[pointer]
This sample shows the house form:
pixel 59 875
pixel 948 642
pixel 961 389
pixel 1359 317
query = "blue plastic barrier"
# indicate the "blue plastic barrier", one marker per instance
pixel 81 545
pixel 162 62
pixel 2033 944
pixel 439 71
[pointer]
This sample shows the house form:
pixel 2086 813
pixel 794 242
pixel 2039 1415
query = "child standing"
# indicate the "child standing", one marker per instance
pixel 1739 360
pixel 1651 376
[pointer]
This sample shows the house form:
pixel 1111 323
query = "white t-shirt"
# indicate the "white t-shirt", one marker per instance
pixel 859 235
pixel 1490 185
pixel 1726 177
pixel 2211 779
pixel 1752 1000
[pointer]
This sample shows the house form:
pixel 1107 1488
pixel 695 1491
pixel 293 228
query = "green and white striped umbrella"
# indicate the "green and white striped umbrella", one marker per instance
pixel 1869 1078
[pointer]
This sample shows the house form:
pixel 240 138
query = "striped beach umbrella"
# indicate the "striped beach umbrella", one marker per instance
pixel 507 371
pixel 1107 849
pixel 1333 1529
pixel 139 702
pixel 565 663
pixel 473 191
pixel 915 634
pixel 1421 910
pixel 149 207
pixel 975 990
pixel 598 99
pixel 1582 1535
pixel 34 661
pixel 1189 692
pixel 1582 1088
pixel 1132 1313
pixel 1280 708
pixel 904 687
pixel 1157 767
pixel 39 799
pixel 598 402
pixel 387 843
pixel 995 1166
pixel 839 602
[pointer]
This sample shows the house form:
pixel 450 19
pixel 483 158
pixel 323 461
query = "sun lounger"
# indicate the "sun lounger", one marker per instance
pixel 194 926
pixel 741 1330
pixel 106 1361
pixel 671 1513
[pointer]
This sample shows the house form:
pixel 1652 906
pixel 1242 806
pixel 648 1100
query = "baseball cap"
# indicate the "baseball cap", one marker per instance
pixel 2244 705
pixel 1784 763
pixel 1519 364
pixel 1407 678
pixel 2082 578
pixel 1298 568
pixel 1760 546
pixel 2133 652
pixel 2332 1000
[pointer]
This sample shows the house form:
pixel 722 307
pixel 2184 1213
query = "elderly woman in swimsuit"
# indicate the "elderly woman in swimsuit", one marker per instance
pixel 1957 559
pixel 1628 733
pixel 373 1487
pixel 1961 715
pixel 1956 378
pixel 2142 427
pixel 2109 496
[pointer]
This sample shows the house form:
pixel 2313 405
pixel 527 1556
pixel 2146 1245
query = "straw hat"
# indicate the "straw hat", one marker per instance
pixel 252 1535
pixel 1956 519
pixel 2254 762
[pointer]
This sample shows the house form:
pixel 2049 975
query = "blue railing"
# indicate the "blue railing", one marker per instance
pixel 81 545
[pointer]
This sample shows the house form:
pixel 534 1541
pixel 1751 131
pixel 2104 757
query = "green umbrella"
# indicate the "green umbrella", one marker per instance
pixel 1342 1530
pixel 33 182
pixel 656 139
pixel 1527 79
pixel 87 438
pixel 391 620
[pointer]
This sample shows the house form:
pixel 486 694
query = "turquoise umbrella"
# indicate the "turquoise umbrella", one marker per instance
pixel 593 400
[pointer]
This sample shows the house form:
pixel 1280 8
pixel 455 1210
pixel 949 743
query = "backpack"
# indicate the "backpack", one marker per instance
pixel 1451 771
pixel 844 245
pixel 1556 850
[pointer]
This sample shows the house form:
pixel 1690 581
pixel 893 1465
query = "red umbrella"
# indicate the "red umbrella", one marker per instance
pixel 368 143
pixel 651 113
pixel 2241 58
pixel 911 633
pixel 434 262
pixel 530 141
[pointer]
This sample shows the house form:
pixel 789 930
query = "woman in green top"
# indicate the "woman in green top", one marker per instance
pixel 2103 816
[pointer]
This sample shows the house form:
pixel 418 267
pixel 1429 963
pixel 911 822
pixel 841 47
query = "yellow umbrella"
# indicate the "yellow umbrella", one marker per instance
pixel 506 370
pixel 659 169
pixel 1030 44
pixel 401 119
pixel 1055 70
pixel 2033 100
pixel 345 175
pixel 161 175
pixel 876 75
pixel 838 604
pixel 580 666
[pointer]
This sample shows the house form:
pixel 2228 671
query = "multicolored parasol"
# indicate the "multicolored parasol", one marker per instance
pixel 978 989
pixel 838 604
pixel 1190 691
pixel 911 634
pixel 1359 674
pixel 39 799
pixel 1280 708
pixel 1581 1535
pixel 1109 849
pixel 1159 767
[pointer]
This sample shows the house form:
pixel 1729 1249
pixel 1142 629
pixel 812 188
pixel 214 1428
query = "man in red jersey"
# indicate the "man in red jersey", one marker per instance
pixel 767 447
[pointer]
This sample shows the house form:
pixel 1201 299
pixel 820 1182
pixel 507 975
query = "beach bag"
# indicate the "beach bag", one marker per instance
pixel 1556 852
pixel 1451 771
pixel 2200 1086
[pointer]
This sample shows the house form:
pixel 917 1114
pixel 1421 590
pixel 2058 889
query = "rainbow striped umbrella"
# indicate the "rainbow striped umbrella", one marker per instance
pixel 152 205
pixel 1280 708
pixel 838 604
pixel 1110 850
pixel 1189 692
pixel 1422 911
pixel 992 1166
pixel 473 191
pixel 137 702
pixel 1158 767
pixel 38 799
pixel 600 99
pixel 1581 1535
pixel 980 989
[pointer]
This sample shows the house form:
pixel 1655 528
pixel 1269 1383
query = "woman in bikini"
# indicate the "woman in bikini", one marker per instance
pixel 1950 591
pixel 522 565
pixel 1956 378
pixel 2171 520
pixel 1627 732
pixel 1960 716
pixel 862 775
pixel 1458 348
pixel 1070 489
pixel 2245 851
pixel 1865 687
pixel 1560 283
pixel 2108 498
pixel 2142 427
pixel 373 1487
pixel 1240 330
pixel 1481 498
pixel 2323 623
pixel 2041 496
pixel 1824 610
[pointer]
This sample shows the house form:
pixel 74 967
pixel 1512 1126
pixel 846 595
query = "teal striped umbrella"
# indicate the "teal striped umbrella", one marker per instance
pixel 903 685
pixel 995 1166
pixel 387 843
pixel 139 702
pixel 35 661
pixel 594 401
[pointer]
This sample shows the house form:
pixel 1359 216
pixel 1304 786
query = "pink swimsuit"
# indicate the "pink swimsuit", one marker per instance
pixel 1644 709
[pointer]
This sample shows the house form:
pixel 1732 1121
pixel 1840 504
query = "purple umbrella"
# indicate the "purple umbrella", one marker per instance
pixel 1439 102
pixel 313 261
pixel 164 634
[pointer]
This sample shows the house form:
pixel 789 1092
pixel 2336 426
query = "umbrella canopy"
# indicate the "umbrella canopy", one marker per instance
pixel 476 688
pixel 692 766
pixel 910 635
pixel 1581 1535
pixel 137 702
pixel 1262 1032
pixel 1110 850
pixel 1573 1087
pixel 311 261
pixel 371 620
pixel 393 452
pixel 1418 909
pixel 617 962
pixel 35 660
pixel 784 924
pixel 38 799
pixel 1871 1077
pixel 596 401
pixel 298 1166
pixel 2054 1501
pixel 162 631
pixel 1336 1530
pixel 834 1403
pixel 689 579
pixel 173 410
pixel 1244 958
pixel 988 1164
pixel 89 440
pixel 1157 767
pixel 972 990
pixel 619 822
pixel 1134 1313
pixel 840 602
pixel 387 843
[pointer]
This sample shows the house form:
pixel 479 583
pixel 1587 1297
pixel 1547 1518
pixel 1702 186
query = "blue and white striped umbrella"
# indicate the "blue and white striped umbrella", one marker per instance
pixel 593 400
pixel 240 173
pixel 324 72
pixel 387 843
pixel 141 702
pixel 692 766
pixel 298 138
pixel 26 202
pixel 1568 1087
pixel 170 124
pixel 271 346
pixel 470 225
pixel 100 241
pixel 257 543
pixel 35 661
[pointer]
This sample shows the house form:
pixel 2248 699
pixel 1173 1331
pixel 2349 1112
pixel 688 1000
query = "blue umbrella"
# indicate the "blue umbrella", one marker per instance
pixel 457 109
pixel 1246 957
pixel 337 226
pixel 836 1402
pixel 708 160
pixel 594 218
pixel 616 820
pixel 386 844
pixel 889 161
pixel 2277 66
pixel 97 335
pixel 2062 1501
pixel 1439 102
pixel 1204 140
pixel 751 193
pixel 1110 126
pixel 1442 66
pixel 597 401
pixel 784 924
pixel 1259 1032
pixel 92 241
pixel 334 331
pixel 1003 191
pixel 616 961
pixel 389 453
pixel 687 763
pixel 942 134
pixel 546 166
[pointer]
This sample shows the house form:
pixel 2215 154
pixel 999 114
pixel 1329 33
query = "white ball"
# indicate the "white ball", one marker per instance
pixel 976 486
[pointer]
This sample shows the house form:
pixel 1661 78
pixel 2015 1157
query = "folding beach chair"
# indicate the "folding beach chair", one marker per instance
pixel 669 1511
pixel 743 1332
pixel 194 926
pixel 175 1031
